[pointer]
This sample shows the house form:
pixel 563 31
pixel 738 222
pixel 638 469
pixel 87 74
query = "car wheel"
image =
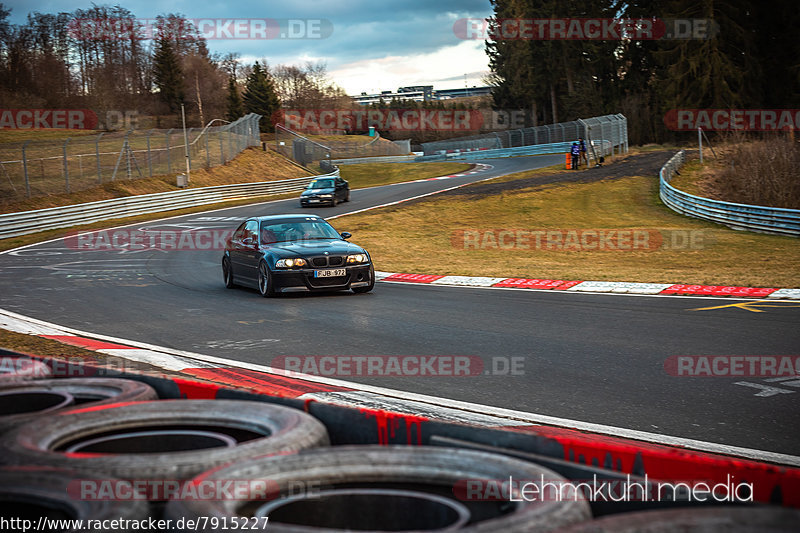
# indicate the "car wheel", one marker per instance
pixel 360 290
pixel 334 202
pixel 227 273
pixel 265 280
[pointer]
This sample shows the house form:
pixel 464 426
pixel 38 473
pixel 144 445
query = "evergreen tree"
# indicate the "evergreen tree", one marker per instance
pixel 260 96
pixel 235 107
pixel 168 74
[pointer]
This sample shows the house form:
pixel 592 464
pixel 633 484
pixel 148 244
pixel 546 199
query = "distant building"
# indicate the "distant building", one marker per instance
pixel 420 93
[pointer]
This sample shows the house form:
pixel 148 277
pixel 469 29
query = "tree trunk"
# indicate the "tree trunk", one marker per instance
pixel 199 100
pixel 553 104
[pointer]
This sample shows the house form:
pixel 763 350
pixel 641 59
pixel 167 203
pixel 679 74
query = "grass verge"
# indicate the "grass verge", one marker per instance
pixel 252 165
pixel 31 344
pixel 372 174
pixel 430 243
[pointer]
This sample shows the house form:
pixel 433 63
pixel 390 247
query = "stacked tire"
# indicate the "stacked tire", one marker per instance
pixel 105 449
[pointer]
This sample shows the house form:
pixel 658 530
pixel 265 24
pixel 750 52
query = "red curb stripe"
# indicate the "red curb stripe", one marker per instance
pixel 90 344
pixel 719 290
pixel 525 283
pixel 261 382
pixel 413 278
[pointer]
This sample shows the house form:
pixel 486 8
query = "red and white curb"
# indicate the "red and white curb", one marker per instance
pixel 479 167
pixel 614 287
pixel 267 380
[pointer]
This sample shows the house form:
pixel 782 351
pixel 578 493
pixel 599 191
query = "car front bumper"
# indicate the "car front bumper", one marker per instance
pixel 303 280
pixel 306 201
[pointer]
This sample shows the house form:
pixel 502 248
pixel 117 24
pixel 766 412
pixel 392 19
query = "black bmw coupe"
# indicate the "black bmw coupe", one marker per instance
pixel 287 253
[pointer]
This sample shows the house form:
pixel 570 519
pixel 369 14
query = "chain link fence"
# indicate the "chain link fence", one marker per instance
pixel 611 128
pixel 317 155
pixel 37 168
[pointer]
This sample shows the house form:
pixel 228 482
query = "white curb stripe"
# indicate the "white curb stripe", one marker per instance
pixel 468 281
pixel 620 287
pixel 792 294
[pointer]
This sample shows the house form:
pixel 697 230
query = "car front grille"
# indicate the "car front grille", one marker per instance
pixel 323 261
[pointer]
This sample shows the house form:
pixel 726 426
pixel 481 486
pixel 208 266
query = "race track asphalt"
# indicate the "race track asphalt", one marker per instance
pixel 590 357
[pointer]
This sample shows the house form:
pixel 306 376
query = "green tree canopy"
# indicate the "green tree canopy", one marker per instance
pixel 260 96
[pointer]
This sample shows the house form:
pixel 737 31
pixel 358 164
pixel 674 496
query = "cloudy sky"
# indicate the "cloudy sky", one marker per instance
pixel 372 45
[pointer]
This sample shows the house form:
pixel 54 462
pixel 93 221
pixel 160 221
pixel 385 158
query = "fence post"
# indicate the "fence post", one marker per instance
pixel 169 159
pixel 208 154
pixel 25 169
pixel 189 148
pixel 149 154
pixel 97 155
pixel 66 165
pixel 230 140
pixel 700 143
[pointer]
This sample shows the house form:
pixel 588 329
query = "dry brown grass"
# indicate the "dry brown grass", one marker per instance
pixel 252 165
pixel 758 172
pixel 417 238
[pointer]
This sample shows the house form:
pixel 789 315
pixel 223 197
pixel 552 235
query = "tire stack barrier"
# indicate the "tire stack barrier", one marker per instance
pixel 364 470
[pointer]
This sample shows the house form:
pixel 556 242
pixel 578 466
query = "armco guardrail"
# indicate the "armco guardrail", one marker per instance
pixel 376 159
pixel 535 149
pixel 22 223
pixel 774 220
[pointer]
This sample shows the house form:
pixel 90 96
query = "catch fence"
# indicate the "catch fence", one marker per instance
pixel 37 168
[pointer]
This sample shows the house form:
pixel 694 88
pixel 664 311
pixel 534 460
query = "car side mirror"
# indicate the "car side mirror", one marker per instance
pixel 249 242
pixel 345 235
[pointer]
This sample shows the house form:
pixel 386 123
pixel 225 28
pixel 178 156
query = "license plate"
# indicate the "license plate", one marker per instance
pixel 313 200
pixel 330 273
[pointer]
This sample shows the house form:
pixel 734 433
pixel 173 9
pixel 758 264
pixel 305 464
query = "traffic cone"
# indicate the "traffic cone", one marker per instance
pixel 569 161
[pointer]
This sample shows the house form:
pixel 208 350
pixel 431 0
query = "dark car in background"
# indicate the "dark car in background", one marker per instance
pixel 288 253
pixel 325 190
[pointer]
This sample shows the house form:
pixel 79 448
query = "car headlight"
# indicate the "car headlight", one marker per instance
pixel 289 263
pixel 357 258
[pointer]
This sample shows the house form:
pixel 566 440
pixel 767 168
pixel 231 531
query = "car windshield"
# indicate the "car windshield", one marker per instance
pixel 320 184
pixel 304 230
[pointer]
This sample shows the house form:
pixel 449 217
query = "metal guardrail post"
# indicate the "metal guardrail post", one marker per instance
pixel 25 169
pixel 66 166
